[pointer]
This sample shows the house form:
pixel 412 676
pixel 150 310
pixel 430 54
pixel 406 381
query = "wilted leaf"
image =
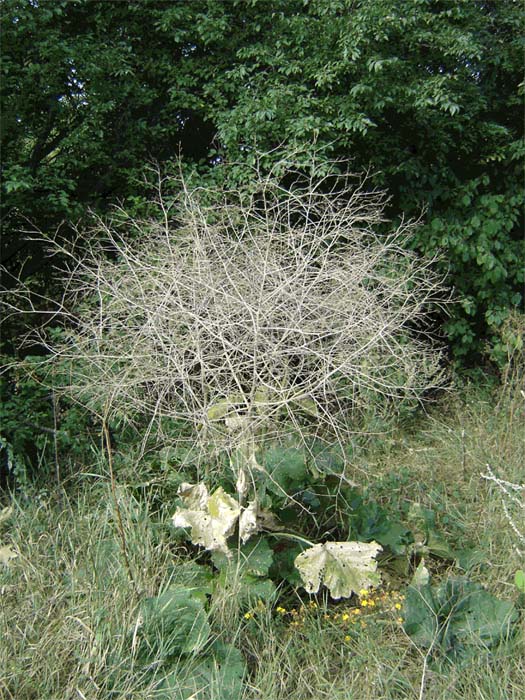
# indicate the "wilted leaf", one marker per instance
pixel 213 522
pixel 195 497
pixel 253 519
pixel 221 409
pixel 6 513
pixel 248 525
pixel 421 575
pixel 343 567
pixel 6 554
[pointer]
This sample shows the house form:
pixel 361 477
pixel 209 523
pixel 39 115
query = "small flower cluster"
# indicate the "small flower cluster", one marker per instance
pixel 369 603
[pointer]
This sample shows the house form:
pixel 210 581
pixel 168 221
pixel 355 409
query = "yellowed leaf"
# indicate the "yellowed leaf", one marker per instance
pixel 6 554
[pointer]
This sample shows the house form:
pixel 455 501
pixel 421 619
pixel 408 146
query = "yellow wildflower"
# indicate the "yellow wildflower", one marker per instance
pixel 400 620
pixel 397 606
pixel 248 616
pixel 347 638
pixel 363 593
pixel 364 603
pixel 345 617
pixel 281 610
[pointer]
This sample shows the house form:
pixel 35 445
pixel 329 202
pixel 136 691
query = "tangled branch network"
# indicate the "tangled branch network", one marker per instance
pixel 243 311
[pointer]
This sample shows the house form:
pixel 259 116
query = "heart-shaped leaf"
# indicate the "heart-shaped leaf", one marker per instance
pixel 343 567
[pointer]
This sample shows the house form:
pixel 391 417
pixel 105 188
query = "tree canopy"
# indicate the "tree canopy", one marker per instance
pixel 427 94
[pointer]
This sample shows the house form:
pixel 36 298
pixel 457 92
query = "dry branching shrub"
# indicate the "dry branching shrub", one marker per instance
pixel 246 311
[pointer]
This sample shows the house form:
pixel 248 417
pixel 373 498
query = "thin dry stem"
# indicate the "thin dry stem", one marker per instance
pixel 241 312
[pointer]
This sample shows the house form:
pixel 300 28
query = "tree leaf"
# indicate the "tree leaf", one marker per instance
pixel 343 567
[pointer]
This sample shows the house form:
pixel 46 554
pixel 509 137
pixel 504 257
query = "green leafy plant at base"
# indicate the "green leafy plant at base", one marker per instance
pixel 456 619
pixel 174 630
pixel 173 623
pixel 369 521
pixel 217 675
pixel 246 574
pixel 343 567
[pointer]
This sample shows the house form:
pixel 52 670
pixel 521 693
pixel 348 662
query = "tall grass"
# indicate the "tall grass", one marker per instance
pixel 69 612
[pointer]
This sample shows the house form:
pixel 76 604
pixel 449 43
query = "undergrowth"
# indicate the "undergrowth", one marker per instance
pixel 74 625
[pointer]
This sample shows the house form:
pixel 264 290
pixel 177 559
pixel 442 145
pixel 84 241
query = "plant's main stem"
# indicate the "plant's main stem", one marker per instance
pixel 290 536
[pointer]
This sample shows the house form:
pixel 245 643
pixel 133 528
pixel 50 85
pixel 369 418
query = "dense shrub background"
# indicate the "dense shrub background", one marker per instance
pixel 426 94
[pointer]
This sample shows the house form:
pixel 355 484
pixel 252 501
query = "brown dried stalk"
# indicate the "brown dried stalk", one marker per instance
pixel 241 312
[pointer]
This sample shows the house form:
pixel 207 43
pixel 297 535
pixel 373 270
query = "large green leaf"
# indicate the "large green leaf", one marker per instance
pixel 457 619
pixel 217 676
pixel 174 622
pixel 286 468
pixel 368 522
pixel 254 558
pixel 247 570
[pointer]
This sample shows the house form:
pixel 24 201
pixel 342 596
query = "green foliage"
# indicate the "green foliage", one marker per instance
pixel 246 573
pixel 478 229
pixel 368 521
pixel 428 538
pixel 456 619
pixel 218 675
pixel 173 623
pixel 37 427
pixel 285 470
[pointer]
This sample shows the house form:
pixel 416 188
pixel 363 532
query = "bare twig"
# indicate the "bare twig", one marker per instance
pixel 243 311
